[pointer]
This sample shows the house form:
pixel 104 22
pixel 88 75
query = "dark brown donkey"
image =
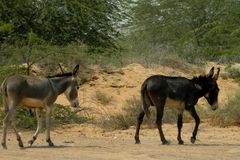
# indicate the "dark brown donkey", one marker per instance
pixel 178 92
pixel 38 93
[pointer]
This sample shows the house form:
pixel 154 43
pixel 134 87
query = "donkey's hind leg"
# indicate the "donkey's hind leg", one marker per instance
pixel 39 126
pixel 139 122
pixel 10 120
pixel 180 124
pixel 160 109
pixel 145 105
pixel 159 103
pixel 6 123
pixel 13 123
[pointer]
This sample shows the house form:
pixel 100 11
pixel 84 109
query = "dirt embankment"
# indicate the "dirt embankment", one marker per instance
pixel 123 84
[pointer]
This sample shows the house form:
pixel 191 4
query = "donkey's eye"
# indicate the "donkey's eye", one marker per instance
pixel 78 87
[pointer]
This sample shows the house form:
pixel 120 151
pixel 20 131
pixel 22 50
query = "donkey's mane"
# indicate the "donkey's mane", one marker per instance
pixel 202 79
pixel 61 75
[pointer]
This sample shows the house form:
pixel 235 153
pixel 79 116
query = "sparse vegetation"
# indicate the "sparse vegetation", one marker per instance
pixel 128 117
pixel 124 119
pixel 229 114
pixel 60 115
pixel 102 98
pixel 66 115
pixel 234 72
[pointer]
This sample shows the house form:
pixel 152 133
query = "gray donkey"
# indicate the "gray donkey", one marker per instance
pixel 38 93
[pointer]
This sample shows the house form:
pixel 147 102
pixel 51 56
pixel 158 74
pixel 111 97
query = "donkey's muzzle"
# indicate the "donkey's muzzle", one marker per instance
pixel 75 104
pixel 214 106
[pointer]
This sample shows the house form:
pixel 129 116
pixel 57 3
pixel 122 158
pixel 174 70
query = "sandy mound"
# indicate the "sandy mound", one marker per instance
pixel 119 85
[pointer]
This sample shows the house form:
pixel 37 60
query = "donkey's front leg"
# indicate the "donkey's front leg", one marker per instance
pixel 39 126
pixel 197 122
pixel 48 125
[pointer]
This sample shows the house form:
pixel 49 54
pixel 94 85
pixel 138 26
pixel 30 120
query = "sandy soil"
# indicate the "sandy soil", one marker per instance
pixel 125 83
pixel 90 142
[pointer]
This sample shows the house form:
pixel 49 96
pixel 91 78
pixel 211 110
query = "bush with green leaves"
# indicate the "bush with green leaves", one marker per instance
pixel 234 72
pixel 60 115
pixel 66 115
pixel 229 114
pixel 6 71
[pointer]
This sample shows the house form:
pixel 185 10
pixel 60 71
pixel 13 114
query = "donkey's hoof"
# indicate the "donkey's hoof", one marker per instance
pixel 137 142
pixel 4 145
pixel 20 144
pixel 30 142
pixel 180 142
pixel 165 142
pixel 50 144
pixel 193 140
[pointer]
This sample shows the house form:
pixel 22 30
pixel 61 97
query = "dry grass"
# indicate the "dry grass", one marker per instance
pixel 102 98
pixel 128 116
pixel 229 114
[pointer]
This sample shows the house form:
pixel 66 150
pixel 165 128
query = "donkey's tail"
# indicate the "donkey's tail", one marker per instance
pixel 3 90
pixel 145 99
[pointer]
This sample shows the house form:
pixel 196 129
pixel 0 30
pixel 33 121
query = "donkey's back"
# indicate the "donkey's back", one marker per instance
pixel 25 90
pixel 177 88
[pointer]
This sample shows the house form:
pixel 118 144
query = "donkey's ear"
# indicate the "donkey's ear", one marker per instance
pixel 211 72
pixel 217 74
pixel 75 70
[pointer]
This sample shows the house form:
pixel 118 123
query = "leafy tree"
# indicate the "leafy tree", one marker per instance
pixel 30 27
pixel 192 27
pixel 60 22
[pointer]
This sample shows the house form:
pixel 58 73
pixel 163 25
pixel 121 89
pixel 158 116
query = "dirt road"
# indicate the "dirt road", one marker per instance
pixel 89 143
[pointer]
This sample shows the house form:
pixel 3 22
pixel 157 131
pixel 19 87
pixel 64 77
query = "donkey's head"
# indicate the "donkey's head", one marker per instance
pixel 211 88
pixel 72 91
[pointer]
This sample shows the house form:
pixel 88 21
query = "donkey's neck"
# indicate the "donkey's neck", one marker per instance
pixel 202 92
pixel 61 83
pixel 201 81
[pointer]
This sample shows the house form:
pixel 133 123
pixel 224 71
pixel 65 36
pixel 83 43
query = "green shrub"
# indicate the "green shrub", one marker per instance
pixel 65 115
pixel 6 71
pixel 229 114
pixel 60 115
pixel 234 72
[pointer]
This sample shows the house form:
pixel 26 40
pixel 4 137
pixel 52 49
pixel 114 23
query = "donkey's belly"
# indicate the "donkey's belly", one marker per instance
pixel 32 102
pixel 171 103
